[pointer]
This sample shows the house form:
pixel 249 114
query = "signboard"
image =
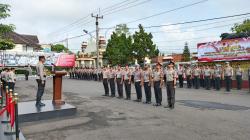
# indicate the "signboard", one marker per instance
pixel 225 50
pixel 65 60
pixel 31 58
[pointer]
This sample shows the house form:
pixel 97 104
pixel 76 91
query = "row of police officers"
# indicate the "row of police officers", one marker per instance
pixel 8 78
pixel 208 77
pixel 141 77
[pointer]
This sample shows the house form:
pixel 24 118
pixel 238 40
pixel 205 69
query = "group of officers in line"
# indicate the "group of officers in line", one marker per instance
pixel 115 78
pixel 8 78
pixel 210 76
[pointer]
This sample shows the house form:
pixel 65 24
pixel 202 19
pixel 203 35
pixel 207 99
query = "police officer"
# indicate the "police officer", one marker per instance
pixel 138 80
pixel 127 82
pixel 170 74
pixel 196 77
pixel 217 77
pixel 158 83
pixel 248 73
pixel 41 79
pixel 227 74
pixel 119 81
pixel 188 75
pixel 238 75
pixel 212 70
pixel 105 81
pixel 147 76
pixel 180 73
pixel 202 80
pixel 12 79
pixel 112 81
pixel 207 77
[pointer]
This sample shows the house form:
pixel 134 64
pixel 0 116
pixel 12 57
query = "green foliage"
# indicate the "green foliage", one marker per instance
pixel 143 45
pixel 186 53
pixel 239 31
pixel 119 49
pixel 59 48
pixel 5 44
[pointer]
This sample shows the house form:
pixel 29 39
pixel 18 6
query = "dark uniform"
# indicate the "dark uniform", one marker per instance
pixel 170 74
pixel 127 83
pixel 180 73
pixel 228 73
pixel 112 81
pixel 217 77
pixel 157 80
pixel 41 80
pixel 138 83
pixel 119 83
pixel 207 77
pixel 248 73
pixel 188 74
pixel 147 85
pixel 238 74
pixel 105 81
pixel 196 77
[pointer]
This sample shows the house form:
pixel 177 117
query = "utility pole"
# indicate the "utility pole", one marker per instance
pixel 97 17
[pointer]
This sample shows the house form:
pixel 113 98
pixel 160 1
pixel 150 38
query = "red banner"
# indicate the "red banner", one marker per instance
pixel 230 49
pixel 65 60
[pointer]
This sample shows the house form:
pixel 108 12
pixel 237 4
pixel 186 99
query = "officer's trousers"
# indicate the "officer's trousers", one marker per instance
pixel 228 81
pixel 180 77
pixel 138 90
pixel 189 81
pixel 112 86
pixel 217 83
pixel 119 87
pixel 196 82
pixel 207 82
pixel 158 92
pixel 40 90
pixel 239 81
pixel 147 89
pixel 106 86
pixel 170 93
pixel 127 89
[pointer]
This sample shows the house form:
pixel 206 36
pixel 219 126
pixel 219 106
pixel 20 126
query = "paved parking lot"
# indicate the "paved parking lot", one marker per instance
pixel 199 115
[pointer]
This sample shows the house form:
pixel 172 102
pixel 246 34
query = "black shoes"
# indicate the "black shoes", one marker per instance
pixel 157 104
pixel 40 104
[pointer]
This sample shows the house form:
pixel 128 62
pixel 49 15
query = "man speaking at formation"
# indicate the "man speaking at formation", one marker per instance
pixel 41 79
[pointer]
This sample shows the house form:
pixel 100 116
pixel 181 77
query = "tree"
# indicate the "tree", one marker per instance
pixel 59 48
pixel 239 31
pixel 186 53
pixel 143 45
pixel 5 43
pixel 118 49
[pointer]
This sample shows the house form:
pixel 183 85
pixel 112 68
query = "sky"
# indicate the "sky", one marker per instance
pixel 54 20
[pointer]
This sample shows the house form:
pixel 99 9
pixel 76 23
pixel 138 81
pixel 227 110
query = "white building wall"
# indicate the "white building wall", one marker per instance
pixel 17 48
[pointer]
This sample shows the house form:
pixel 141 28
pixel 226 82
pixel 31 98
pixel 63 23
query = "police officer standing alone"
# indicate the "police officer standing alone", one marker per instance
pixel 105 81
pixel 41 80
pixel 119 82
pixel 158 83
pixel 180 76
pixel 147 76
pixel 138 80
pixel 238 74
pixel 227 74
pixel 127 82
pixel 170 74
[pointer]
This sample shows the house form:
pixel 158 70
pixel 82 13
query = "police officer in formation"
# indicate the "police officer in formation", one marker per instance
pixel 238 76
pixel 180 73
pixel 111 76
pixel 147 76
pixel 207 77
pixel 105 72
pixel 196 77
pixel 217 77
pixel 170 82
pixel 158 83
pixel 127 82
pixel 188 75
pixel 119 81
pixel 138 80
pixel 227 74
